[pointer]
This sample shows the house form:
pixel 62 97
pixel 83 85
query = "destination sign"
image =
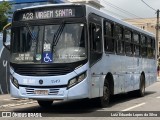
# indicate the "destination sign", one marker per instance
pixel 47 13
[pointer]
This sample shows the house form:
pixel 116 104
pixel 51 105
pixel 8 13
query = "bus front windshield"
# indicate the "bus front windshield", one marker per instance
pixel 65 43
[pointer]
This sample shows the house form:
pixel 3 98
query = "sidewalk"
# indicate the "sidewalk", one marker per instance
pixel 6 96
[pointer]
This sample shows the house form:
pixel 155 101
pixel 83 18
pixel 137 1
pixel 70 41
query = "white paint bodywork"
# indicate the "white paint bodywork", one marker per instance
pixel 126 72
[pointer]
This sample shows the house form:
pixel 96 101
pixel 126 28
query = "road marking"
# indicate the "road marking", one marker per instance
pixel 158 97
pixel 133 107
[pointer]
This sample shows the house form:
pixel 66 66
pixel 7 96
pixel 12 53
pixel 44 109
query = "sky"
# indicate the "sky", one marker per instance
pixel 130 7
pixel 136 7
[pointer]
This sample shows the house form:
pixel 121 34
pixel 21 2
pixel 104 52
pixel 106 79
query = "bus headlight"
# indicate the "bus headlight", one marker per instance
pixel 76 80
pixel 14 81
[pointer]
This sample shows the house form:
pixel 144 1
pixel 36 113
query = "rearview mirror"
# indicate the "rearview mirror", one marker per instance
pixel 5 34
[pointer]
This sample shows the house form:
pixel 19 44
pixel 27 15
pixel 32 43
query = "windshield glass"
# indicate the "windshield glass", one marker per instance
pixel 49 44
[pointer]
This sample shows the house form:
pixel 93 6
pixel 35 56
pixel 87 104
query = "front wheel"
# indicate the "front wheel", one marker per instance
pixel 104 100
pixel 44 104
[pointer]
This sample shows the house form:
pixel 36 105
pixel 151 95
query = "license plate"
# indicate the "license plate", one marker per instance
pixel 41 92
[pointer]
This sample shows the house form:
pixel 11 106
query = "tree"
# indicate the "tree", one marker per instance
pixel 4 11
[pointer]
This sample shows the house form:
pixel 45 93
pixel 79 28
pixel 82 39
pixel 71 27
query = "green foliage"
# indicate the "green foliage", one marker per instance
pixel 4 10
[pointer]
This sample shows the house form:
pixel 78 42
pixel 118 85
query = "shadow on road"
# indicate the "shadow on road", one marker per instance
pixel 80 107
pixel 122 98
pixel 73 106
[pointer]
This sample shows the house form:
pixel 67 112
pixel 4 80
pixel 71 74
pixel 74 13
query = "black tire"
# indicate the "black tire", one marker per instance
pixel 45 104
pixel 141 91
pixel 104 100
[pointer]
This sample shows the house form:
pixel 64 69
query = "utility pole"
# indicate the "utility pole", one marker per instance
pixel 157 33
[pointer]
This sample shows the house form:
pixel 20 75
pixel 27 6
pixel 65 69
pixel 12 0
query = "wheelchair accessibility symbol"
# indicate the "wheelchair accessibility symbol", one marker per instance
pixel 47 57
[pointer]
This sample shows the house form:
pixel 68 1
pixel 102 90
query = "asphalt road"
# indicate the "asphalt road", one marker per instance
pixel 124 103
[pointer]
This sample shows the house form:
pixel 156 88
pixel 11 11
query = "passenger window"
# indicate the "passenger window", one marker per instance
pixel 128 47
pixel 109 41
pixel 137 50
pixel 108 29
pixel 143 40
pixel 118 35
pixel 136 44
pixel 149 42
pixel 120 46
pixel 150 47
pixel 128 43
pixel 118 32
pixel 144 51
pixel 127 35
pixel 153 43
pixel 136 38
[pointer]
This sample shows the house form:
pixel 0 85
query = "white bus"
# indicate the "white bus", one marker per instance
pixel 69 51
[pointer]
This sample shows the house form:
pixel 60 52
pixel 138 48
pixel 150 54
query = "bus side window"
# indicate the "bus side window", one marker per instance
pixel 150 48
pixel 153 48
pixel 143 46
pixel 95 34
pixel 128 42
pixel 118 35
pixel 109 41
pixel 136 41
pixel 96 37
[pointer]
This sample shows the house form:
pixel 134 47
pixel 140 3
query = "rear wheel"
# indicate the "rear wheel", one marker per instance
pixel 104 100
pixel 45 104
pixel 141 91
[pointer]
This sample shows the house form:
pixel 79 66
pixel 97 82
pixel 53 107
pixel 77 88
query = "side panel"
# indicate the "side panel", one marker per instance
pixel 95 85
pixel 126 70
pixel 109 64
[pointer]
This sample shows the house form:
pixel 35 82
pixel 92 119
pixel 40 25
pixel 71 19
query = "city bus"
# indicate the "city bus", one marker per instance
pixel 73 51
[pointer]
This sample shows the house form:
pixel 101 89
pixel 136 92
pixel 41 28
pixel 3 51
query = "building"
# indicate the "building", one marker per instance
pixel 148 24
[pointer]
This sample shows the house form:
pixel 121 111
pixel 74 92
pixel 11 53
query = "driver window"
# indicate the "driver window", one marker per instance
pixel 96 36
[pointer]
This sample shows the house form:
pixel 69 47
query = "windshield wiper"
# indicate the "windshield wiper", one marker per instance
pixel 30 32
pixel 57 35
pixel 33 37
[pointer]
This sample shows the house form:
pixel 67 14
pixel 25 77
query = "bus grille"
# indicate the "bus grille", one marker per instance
pixel 42 71
pixel 52 91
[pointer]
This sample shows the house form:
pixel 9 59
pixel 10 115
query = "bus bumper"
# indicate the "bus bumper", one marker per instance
pixel 78 91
